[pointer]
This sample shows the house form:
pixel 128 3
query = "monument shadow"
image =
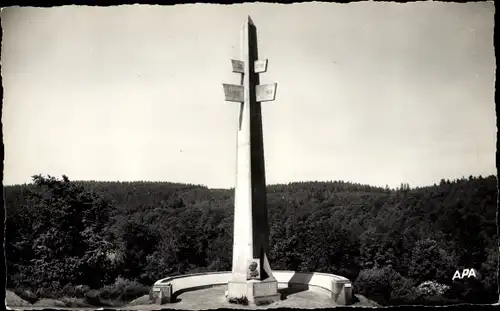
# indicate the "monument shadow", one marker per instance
pixel 298 283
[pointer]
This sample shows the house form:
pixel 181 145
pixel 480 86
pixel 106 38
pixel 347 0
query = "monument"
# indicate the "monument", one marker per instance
pixel 251 275
pixel 251 280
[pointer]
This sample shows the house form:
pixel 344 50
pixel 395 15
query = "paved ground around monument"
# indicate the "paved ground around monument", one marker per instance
pixel 211 298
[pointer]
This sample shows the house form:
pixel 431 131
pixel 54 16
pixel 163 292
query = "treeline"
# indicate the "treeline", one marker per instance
pixel 397 245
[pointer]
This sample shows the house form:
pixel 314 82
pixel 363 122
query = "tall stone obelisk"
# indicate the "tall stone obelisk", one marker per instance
pixel 252 276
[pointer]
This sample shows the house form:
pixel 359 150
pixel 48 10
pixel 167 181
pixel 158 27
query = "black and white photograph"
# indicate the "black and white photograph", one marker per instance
pixel 250 156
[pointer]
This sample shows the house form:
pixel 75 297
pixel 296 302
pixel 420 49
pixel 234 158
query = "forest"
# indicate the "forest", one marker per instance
pixel 112 240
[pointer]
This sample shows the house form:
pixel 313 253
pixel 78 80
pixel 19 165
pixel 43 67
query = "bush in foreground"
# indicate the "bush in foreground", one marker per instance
pixel 384 285
pixel 121 291
pixel 27 295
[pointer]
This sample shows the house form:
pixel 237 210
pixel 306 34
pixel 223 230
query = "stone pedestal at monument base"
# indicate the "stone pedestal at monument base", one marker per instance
pixel 256 292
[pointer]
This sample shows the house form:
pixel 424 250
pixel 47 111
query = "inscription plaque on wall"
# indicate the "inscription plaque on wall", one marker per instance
pixel 234 93
pixel 265 288
pixel 238 66
pixel 260 66
pixel 265 92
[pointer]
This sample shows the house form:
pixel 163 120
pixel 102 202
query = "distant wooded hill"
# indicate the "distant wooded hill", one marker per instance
pixel 388 241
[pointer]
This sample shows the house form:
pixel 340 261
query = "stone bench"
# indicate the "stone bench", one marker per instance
pixel 165 290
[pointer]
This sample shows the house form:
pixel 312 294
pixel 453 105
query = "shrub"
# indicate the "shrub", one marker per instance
pixel 92 298
pixel 470 291
pixel 375 284
pixel 81 290
pixel 27 295
pixel 432 288
pixel 123 290
pixel 403 291
pixel 385 286
pixel 77 291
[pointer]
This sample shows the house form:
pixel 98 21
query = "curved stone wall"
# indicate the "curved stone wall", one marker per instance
pixel 165 290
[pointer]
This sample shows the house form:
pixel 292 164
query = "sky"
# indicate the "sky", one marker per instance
pixel 372 93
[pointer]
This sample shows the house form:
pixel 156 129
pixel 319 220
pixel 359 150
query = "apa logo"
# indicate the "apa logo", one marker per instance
pixel 465 273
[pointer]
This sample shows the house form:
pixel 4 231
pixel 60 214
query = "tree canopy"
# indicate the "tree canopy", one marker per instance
pixel 61 232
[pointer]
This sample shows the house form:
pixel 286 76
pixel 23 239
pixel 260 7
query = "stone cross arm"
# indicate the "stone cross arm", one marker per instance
pixel 263 92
